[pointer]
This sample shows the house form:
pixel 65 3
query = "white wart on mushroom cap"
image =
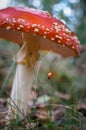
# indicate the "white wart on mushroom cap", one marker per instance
pixel 39 27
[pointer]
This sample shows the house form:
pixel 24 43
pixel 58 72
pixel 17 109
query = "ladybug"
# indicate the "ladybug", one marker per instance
pixel 49 75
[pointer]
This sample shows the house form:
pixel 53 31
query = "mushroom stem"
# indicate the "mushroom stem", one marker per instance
pixel 21 90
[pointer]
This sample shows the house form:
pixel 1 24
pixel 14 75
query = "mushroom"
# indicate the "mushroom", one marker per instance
pixel 33 30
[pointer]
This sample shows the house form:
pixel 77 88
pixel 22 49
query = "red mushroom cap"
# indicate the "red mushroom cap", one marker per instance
pixel 40 27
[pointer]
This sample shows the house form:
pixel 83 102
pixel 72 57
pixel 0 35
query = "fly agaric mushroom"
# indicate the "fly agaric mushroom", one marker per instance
pixel 38 30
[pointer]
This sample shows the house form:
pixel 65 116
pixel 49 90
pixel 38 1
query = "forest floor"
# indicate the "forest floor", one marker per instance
pixel 46 114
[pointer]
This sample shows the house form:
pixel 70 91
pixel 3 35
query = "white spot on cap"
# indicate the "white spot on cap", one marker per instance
pixel 43 26
pixel 60 37
pixel 73 47
pixel 34 25
pixel 7 19
pixel 52 39
pixel 28 26
pixel 38 25
pixel 21 20
pixel 51 28
pixel 18 28
pixel 47 29
pixel 59 41
pixel 55 23
pixel 64 34
pixel 8 27
pixel 45 33
pixel 68 39
pixel 14 20
pixel 56 36
pixel 57 28
pixel 67 30
pixel 62 26
pixel 21 26
pixel 44 36
pixel 12 24
pixel 36 30
pixel 75 38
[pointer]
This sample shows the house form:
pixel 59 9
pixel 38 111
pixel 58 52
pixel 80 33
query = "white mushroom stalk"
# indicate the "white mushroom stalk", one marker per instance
pixel 24 76
pixel 21 90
